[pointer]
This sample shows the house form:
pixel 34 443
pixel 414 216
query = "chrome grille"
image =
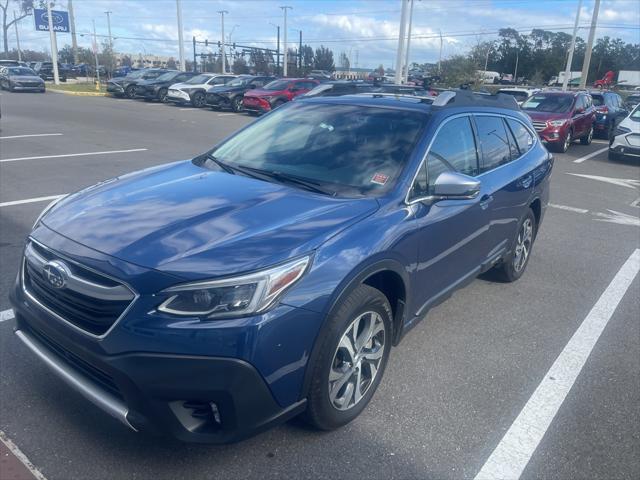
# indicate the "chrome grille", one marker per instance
pixel 539 126
pixel 87 300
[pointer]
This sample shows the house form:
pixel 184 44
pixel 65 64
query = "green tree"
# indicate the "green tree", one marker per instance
pixel 307 59
pixel 240 66
pixel 171 63
pixel 343 61
pixel 323 59
pixel 22 8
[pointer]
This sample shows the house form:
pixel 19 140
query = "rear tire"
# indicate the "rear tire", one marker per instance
pixel 354 351
pixel 514 265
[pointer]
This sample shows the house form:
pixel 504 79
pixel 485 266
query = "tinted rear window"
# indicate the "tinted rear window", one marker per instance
pixel 494 142
pixel 549 103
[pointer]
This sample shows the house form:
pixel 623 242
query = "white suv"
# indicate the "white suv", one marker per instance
pixel 194 90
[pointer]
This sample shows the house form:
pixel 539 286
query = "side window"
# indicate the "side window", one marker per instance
pixel 419 188
pixel 514 151
pixel 182 77
pixel 454 148
pixel 494 142
pixel 524 139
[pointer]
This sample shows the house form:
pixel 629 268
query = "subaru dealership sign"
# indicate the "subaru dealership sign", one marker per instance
pixel 59 20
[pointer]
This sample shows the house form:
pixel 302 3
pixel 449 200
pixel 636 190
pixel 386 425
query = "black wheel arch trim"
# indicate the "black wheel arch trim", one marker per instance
pixel 355 278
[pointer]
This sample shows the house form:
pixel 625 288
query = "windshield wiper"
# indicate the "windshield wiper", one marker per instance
pixel 224 166
pixel 288 178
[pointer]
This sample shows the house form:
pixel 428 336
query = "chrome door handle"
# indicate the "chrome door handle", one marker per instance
pixel 485 201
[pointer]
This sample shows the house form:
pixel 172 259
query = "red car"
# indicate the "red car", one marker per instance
pixel 274 94
pixel 561 117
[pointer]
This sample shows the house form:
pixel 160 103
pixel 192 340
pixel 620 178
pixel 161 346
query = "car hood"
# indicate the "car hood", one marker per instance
pixel 187 86
pixel 25 78
pixel 544 116
pixel 197 223
pixel 631 124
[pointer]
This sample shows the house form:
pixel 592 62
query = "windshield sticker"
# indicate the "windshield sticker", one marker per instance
pixel 380 179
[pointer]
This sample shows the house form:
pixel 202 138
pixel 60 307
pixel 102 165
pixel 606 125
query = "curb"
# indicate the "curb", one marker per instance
pixel 80 94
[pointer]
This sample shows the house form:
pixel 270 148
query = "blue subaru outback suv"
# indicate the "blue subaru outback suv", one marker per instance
pixel 269 277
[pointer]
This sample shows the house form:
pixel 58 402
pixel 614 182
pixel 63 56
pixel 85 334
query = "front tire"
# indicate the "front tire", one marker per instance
pixel 586 139
pixel 198 100
pixel 352 359
pixel 514 265
pixel 130 91
pixel 236 104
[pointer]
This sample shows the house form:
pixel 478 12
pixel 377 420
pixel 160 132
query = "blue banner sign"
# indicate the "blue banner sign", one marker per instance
pixel 59 19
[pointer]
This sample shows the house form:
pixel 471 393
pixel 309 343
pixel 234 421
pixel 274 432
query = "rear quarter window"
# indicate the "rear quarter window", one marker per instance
pixel 494 142
pixel 524 138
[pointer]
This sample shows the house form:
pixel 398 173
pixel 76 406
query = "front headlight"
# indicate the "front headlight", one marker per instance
pixel 233 297
pixel 621 130
pixel 47 209
pixel 556 123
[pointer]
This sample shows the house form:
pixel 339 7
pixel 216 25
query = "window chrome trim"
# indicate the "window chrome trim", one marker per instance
pixel 59 317
pixel 536 140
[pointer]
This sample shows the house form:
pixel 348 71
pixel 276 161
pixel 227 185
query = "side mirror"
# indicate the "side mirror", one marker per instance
pixel 456 186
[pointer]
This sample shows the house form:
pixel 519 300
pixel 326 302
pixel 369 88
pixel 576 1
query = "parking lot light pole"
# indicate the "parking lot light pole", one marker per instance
pixel 567 70
pixel 108 14
pixel 222 47
pixel 95 54
pixel 180 39
pixel 284 43
pixel 405 75
pixel 400 52
pixel 277 49
pixel 54 46
pixel 587 53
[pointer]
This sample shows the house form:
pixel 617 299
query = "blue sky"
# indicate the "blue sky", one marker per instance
pixel 365 30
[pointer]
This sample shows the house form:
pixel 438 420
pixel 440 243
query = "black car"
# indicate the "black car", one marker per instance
pixel 231 94
pixel 610 111
pixel 45 71
pixel 157 88
pixel 126 86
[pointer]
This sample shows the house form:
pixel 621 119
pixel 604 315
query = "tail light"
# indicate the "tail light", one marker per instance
pixel 602 109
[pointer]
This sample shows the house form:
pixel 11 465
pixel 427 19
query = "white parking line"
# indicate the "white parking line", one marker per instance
pixel 32 135
pixel 568 208
pixel 5 160
pixel 602 142
pixel 30 200
pixel 225 114
pixel 591 155
pixel 13 448
pixel 6 315
pixel 514 451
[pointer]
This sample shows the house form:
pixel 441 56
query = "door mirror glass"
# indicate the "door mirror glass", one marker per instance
pixel 454 185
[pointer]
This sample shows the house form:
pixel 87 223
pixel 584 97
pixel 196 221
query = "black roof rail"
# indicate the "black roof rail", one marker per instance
pixel 468 98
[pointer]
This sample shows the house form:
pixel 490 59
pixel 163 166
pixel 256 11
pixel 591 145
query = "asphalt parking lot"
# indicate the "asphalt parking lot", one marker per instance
pixel 455 385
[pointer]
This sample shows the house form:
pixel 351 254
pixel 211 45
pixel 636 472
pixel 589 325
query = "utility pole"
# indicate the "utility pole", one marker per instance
pixel 440 56
pixel 300 53
pixel 587 53
pixel 222 47
pixel 284 46
pixel 515 73
pixel 95 54
pixel 54 45
pixel 74 41
pixel 109 30
pixel 405 75
pixel 567 70
pixel 183 65
pixel 486 60
pixel 15 24
pixel 400 52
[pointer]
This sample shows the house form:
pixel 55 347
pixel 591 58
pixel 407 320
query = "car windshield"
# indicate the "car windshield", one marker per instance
pixel 276 85
pixel 519 96
pixel 136 74
pixel 239 82
pixel 318 90
pixel 598 100
pixel 549 103
pixel 345 148
pixel 167 76
pixel 20 71
pixel 198 80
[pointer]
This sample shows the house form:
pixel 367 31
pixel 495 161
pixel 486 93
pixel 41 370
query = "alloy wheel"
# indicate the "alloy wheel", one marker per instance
pixel 567 142
pixel 357 360
pixel 523 245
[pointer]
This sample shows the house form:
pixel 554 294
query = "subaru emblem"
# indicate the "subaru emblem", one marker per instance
pixel 56 273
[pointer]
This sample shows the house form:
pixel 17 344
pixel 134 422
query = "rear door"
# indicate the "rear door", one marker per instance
pixel 506 176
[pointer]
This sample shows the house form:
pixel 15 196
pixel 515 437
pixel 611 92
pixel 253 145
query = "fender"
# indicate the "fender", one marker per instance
pixel 373 265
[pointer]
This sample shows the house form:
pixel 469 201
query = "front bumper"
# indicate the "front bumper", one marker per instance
pixel 195 398
pixel 215 100
pixel 146 93
pixel 29 88
pixel 626 145
pixel 115 89
pixel 178 96
pixel 256 104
